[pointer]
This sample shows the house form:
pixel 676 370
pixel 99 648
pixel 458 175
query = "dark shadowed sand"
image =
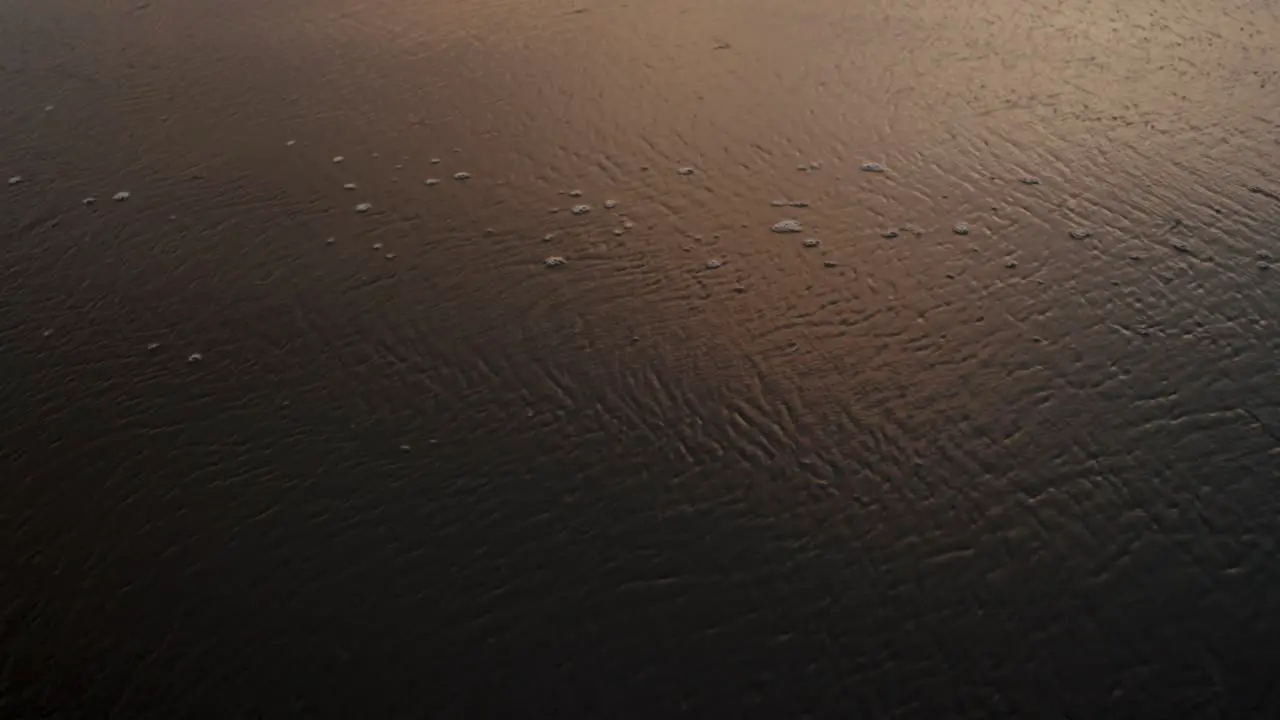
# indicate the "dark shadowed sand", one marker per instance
pixel 527 406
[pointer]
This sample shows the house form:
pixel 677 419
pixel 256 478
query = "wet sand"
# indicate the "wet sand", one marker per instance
pixel 994 433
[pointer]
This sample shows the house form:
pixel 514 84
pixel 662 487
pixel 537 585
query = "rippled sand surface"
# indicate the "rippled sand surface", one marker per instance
pixel 320 395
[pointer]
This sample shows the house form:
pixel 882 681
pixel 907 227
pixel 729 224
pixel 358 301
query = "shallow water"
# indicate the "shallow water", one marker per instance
pixel 1032 470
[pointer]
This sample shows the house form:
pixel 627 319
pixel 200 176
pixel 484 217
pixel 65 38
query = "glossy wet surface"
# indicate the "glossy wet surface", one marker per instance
pixel 264 454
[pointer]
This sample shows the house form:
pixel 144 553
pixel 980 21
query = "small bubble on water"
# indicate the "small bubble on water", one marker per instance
pixel 338 158
pixel 811 242
pixel 628 225
pixel 151 347
pixel 815 164
pixel 960 229
pixel 787 226
pixel 290 143
pixel 462 176
pixel 1079 234
pixel 121 196
pixel 580 209
pixel 349 186
pixel 714 264
pixel 89 200
pixel 431 181
pixel 1011 264
pixel 390 256
pixel 872 167
pixel 778 203
pixel 435 161
pixel 376 246
pixel 195 358
pixel 574 193
pixel 48 108
pixel 554 261
pixel 363 207
pixel 618 231
pixel 548 237
pixel 610 204
pixel 685 171
pixel 330 241
pixel 15 180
